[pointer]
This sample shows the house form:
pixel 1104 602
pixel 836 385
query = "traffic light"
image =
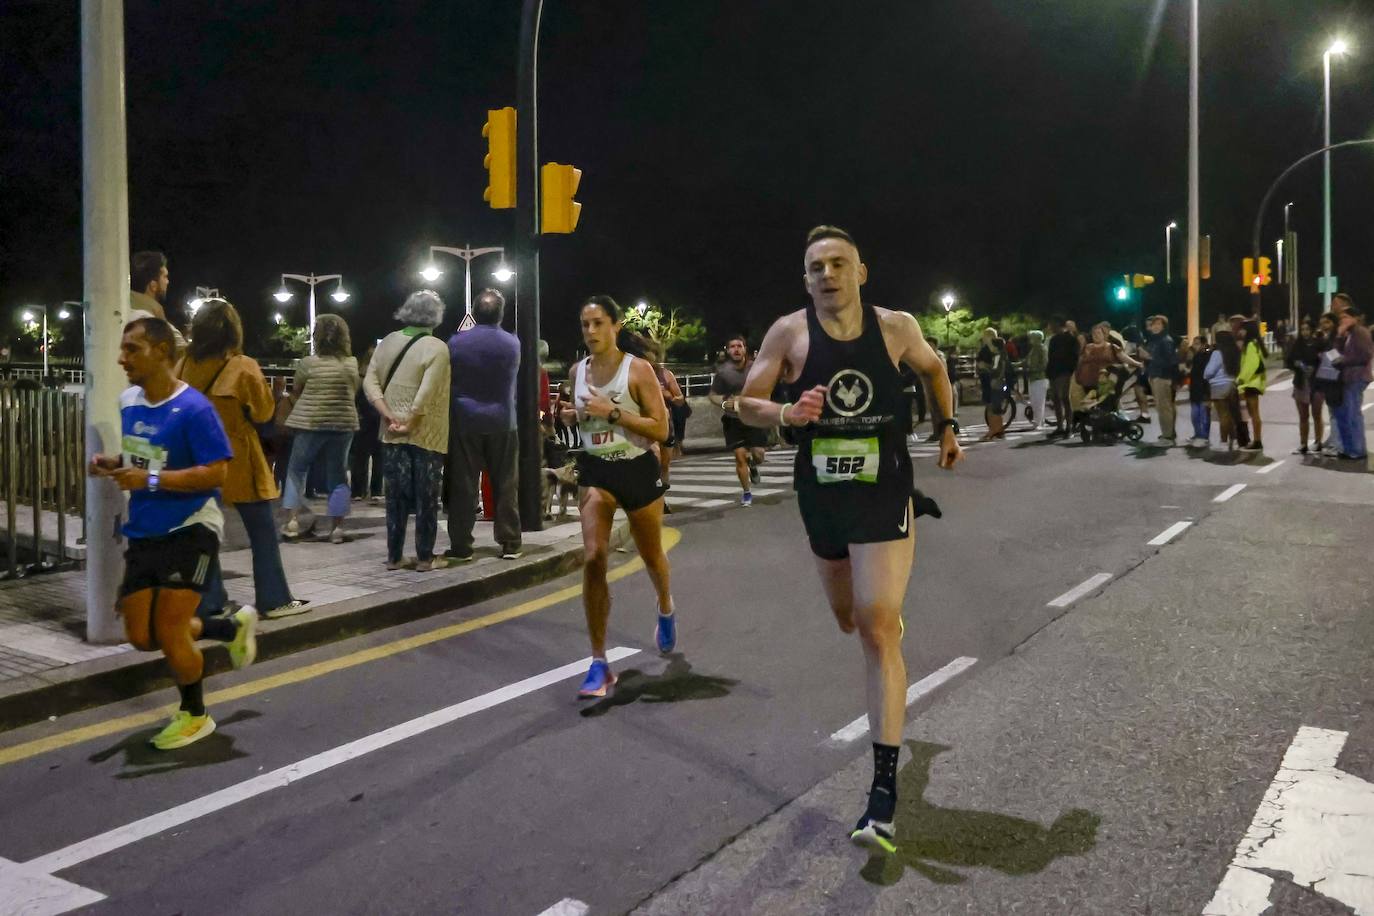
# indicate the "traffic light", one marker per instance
pixel 1123 293
pixel 500 159
pixel 1247 273
pixel 1140 281
pixel 558 211
pixel 1264 278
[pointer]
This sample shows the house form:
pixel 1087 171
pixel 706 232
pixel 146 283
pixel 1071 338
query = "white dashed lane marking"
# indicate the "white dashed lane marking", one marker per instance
pixel 1168 534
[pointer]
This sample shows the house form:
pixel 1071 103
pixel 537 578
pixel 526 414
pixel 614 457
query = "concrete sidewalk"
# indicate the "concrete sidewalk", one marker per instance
pixel 47 668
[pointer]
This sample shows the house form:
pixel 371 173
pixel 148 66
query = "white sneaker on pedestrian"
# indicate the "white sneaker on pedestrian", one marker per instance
pixel 1199 442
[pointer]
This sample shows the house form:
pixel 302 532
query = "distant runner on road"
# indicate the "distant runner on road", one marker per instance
pixel 175 456
pixel 748 443
pixel 853 473
pixel 619 408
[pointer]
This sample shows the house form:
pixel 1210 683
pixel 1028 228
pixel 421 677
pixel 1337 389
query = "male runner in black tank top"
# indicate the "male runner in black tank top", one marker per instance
pixel 853 472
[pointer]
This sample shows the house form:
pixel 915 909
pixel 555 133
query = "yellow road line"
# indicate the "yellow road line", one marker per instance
pixel 671 536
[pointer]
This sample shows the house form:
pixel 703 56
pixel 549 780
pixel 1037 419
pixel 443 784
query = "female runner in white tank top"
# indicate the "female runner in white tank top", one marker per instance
pixel 619 407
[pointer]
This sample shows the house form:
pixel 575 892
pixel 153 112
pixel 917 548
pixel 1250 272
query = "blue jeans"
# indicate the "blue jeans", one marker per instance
pixel 329 447
pixel 1350 420
pixel 270 590
pixel 1202 420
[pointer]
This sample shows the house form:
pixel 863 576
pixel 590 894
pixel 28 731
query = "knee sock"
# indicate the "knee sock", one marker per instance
pixel 882 797
pixel 193 697
pixel 223 629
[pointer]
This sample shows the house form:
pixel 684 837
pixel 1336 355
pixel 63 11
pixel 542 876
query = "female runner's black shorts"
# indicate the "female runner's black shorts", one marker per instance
pixel 634 482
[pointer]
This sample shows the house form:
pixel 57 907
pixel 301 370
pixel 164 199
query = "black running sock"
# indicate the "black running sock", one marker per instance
pixel 223 629
pixel 193 697
pixel 882 797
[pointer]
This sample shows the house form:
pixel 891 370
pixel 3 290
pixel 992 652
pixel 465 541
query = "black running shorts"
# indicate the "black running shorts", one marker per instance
pixel 834 519
pixel 738 435
pixel 634 482
pixel 181 559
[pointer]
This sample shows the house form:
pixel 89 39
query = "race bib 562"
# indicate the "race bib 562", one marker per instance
pixel 844 460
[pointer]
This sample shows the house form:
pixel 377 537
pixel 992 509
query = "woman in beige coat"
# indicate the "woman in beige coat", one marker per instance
pixel 215 366
pixel 408 382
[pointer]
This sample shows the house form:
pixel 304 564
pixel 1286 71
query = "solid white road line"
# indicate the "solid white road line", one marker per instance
pixel 1270 467
pixel 1078 591
pixel 1168 534
pixel 859 727
pixel 713 490
pixel 1227 493
pixel 567 907
pixel 1280 386
pixel 279 778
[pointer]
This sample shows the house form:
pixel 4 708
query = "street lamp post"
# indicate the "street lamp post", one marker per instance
pixel 1169 252
pixel 1337 47
pixel 947 300
pixel 1194 206
pixel 30 318
pixel 202 293
pixel 431 273
pixel 283 295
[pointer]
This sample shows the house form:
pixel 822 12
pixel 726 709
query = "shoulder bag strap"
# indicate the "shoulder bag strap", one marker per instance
pixel 214 378
pixel 397 364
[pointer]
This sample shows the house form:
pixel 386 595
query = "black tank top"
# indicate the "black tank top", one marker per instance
pixel 859 443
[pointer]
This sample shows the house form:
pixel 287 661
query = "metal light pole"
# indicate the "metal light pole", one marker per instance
pixel 1169 252
pixel 1194 215
pixel 284 295
pixel 1337 47
pixel 947 300
pixel 526 240
pixel 202 293
pixel 105 262
pixel 431 273
pixel 1283 276
pixel 30 318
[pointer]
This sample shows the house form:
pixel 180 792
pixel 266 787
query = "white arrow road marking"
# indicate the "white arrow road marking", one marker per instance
pixel 21 880
pixel 33 892
pixel 1315 823
pixel 859 727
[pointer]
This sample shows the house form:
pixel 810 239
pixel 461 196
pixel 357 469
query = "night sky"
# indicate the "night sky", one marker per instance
pixel 1021 153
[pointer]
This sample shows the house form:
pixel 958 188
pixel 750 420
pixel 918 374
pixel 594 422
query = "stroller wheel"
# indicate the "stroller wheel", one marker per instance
pixel 1030 414
pixel 1085 434
pixel 1135 433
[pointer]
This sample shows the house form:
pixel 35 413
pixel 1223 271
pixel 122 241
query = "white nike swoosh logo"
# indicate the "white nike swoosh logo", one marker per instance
pixel 905 512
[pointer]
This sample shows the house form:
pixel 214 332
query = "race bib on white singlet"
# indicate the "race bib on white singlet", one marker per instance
pixel 845 460
pixel 600 439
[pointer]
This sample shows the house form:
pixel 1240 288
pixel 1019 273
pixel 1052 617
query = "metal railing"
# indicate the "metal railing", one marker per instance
pixel 42 476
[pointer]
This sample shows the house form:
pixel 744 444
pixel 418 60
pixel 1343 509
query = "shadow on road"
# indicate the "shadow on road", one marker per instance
pixel 677 683
pixel 142 759
pixel 928 834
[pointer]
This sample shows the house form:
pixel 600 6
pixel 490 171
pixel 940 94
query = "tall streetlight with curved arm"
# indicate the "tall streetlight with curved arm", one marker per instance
pixel 431 272
pixel 284 295
pixel 1337 49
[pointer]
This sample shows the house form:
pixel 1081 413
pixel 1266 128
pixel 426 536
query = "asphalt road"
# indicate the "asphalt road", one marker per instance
pixel 459 774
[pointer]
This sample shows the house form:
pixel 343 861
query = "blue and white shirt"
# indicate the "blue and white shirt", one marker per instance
pixel 181 432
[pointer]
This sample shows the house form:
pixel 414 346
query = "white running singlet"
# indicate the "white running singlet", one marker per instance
pixel 609 441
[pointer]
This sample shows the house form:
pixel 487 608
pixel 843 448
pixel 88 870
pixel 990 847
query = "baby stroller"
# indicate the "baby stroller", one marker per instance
pixel 1104 421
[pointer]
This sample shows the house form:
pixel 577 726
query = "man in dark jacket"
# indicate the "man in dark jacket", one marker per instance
pixel 1063 359
pixel 1162 369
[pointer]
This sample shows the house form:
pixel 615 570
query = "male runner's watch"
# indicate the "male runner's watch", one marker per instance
pixel 947 421
pixel 153 480
pixel 614 416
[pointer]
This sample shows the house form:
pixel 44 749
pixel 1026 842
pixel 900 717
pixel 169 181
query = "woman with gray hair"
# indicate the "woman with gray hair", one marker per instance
pixel 324 418
pixel 408 382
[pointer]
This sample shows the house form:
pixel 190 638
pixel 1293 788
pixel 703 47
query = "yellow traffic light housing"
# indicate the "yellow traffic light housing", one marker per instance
pixel 1263 273
pixel 500 159
pixel 1247 273
pixel 1140 281
pixel 559 212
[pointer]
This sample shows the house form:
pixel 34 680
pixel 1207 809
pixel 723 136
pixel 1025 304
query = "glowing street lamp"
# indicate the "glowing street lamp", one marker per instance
pixel 203 293
pixel 947 300
pixel 431 272
pixel 1169 251
pixel 641 307
pixel 283 295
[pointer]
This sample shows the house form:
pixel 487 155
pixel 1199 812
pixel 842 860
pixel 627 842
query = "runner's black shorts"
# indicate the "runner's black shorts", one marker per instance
pixel 182 559
pixel 738 435
pixel 634 482
pixel 836 518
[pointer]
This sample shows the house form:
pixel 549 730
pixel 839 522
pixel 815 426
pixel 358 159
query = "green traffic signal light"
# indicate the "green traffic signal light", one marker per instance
pixel 1123 294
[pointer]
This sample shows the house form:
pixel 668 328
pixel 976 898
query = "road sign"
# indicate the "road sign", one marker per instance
pixel 1325 284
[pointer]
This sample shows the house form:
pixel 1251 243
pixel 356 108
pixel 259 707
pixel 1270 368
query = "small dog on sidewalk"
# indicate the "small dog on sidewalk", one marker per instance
pixel 560 475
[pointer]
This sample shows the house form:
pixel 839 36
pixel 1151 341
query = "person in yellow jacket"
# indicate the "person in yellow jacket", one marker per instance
pixel 1250 379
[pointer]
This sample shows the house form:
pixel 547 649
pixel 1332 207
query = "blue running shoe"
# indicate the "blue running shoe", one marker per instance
pixel 747 499
pixel 665 634
pixel 599 680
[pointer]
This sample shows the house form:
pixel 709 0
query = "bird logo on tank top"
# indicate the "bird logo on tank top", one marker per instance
pixel 849 393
